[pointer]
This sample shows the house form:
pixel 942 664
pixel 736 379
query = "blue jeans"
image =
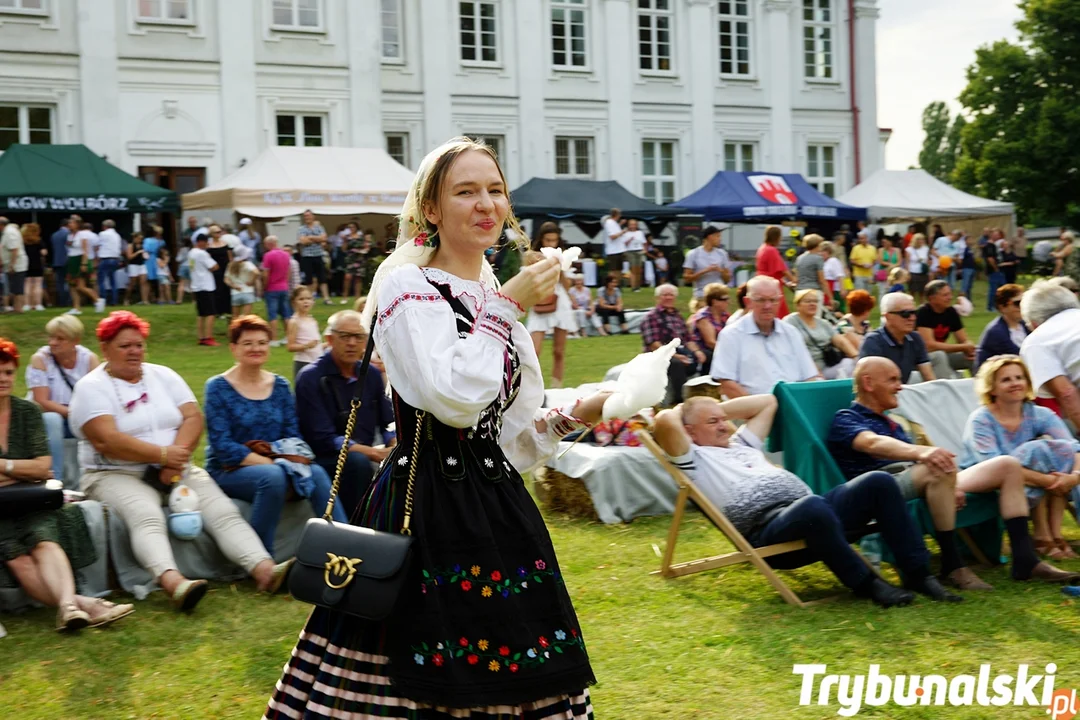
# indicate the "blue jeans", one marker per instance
pixel 823 521
pixel 56 429
pixel 106 272
pixel 264 486
pixel 967 280
pixel 277 303
pixel 997 279
pixel 62 297
pixel 355 479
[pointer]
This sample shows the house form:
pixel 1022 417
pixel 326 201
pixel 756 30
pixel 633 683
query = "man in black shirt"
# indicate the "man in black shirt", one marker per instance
pixel 935 322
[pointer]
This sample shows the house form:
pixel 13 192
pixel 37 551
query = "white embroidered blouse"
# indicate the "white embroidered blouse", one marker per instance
pixel 455 378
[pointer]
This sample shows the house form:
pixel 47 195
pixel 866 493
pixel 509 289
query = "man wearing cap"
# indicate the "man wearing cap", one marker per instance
pixel 707 263
pixel 861 259
pixel 251 239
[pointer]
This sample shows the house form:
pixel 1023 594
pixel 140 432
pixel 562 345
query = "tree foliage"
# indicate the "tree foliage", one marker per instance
pixel 1022 143
pixel 941 145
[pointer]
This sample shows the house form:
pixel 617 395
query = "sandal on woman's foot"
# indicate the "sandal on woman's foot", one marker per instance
pixel 188 594
pixel 70 617
pixel 281 573
pixel 108 612
pixel 1065 551
pixel 1044 547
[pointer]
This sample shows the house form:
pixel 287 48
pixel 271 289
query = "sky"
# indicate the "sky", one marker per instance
pixel 924 48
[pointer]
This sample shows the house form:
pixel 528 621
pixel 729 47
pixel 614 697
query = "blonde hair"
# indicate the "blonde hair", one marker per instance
pixel 67 325
pixel 811 241
pixel 898 275
pixel 413 225
pixel 802 294
pixel 918 236
pixel 827 248
pixel 986 377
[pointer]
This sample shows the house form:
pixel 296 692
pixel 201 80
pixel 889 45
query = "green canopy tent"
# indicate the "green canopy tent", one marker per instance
pixel 71 178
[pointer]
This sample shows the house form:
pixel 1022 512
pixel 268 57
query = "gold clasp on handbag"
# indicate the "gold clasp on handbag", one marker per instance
pixel 339 567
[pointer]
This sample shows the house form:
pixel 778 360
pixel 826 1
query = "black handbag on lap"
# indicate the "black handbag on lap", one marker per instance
pixel 27 498
pixel 351 569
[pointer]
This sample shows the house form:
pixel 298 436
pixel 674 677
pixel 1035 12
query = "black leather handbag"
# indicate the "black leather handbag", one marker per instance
pixel 26 498
pixel 351 569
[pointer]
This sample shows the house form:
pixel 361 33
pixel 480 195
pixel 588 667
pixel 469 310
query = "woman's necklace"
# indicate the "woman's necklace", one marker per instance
pixel 140 387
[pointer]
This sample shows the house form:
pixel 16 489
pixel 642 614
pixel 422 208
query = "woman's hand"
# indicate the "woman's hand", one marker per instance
pixel 534 283
pixel 1063 483
pixel 177 457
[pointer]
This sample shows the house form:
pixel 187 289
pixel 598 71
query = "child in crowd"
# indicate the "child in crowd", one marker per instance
pixel 898 279
pixel 164 278
pixel 294 267
pixel 183 270
pixel 834 273
pixel 240 276
pixel 302 337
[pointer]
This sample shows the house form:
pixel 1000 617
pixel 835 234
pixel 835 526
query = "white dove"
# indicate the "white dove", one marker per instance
pixel 566 258
pixel 642 383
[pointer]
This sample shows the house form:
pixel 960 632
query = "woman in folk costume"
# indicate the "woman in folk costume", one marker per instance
pixel 484 626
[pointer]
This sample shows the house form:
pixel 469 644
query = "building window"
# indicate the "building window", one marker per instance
pixel 159 11
pixel 397 147
pixel 818 39
pixel 479 32
pixel 495 142
pixel 655 20
pixel 392 31
pixel 573 157
pixel 739 157
pixel 301 130
pixel 35 7
pixel 821 168
pixel 734 26
pixel 297 14
pixel 658 170
pixel 569 24
pixel 25 124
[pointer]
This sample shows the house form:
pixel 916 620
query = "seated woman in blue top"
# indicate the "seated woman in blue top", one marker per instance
pixel 248 403
pixel 1010 423
pixel 1007 331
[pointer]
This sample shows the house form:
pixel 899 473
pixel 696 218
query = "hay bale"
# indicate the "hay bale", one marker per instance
pixel 561 493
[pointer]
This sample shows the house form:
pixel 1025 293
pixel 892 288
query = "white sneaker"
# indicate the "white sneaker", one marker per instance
pixel 277 343
pixel 99 305
pixel 74 311
pixel 39 307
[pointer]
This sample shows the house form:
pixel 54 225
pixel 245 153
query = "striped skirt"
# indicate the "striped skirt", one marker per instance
pixel 324 680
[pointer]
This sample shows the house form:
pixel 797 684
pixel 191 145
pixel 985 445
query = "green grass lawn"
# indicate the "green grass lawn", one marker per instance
pixel 716 645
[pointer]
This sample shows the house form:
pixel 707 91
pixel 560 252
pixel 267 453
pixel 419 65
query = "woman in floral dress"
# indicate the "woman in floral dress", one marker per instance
pixel 484 626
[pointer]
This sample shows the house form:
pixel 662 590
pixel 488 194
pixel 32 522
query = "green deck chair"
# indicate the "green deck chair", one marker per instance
pixel 804 415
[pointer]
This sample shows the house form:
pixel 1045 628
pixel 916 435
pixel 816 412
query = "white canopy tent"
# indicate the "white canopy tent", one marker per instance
pixel 285 181
pixel 890 195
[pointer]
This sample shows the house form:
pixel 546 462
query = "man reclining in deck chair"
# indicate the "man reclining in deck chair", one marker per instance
pixel 770 505
pixel 863 439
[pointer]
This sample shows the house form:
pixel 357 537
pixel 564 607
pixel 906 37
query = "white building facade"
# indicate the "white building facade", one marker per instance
pixel 657 94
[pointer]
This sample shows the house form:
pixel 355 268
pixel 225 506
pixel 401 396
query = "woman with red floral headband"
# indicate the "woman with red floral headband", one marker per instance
pixel 137 424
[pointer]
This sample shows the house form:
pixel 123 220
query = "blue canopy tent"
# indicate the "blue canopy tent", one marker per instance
pixel 764 197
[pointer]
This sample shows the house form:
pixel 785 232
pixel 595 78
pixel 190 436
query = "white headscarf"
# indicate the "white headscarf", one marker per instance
pixel 410 226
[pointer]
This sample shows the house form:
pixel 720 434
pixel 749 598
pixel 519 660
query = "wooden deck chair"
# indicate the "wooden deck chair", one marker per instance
pixel 745 552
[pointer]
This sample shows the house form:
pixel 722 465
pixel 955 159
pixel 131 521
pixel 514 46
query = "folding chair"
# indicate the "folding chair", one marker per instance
pixel 745 553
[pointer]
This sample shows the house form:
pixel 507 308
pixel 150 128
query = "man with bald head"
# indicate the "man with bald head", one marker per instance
pixel 863 439
pixel 770 505
pixel 756 352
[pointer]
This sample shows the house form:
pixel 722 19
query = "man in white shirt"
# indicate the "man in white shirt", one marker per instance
pixel 757 351
pixel 614 242
pixel 707 263
pixel 770 505
pixel 15 262
pixel 202 267
pixel 1052 350
pixel 108 254
pixel 945 246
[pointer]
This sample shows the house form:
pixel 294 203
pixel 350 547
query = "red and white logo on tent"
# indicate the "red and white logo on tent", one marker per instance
pixel 773 188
